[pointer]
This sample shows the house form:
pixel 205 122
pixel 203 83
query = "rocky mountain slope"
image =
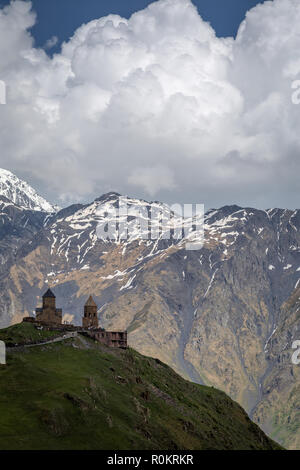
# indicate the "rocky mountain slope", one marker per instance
pixel 17 226
pixel 225 315
pixel 79 395
pixel 280 391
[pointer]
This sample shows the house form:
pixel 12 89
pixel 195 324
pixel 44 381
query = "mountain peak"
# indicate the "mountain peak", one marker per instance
pixel 108 196
pixel 21 193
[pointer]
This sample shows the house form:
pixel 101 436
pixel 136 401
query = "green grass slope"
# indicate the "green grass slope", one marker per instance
pixel 78 394
pixel 26 333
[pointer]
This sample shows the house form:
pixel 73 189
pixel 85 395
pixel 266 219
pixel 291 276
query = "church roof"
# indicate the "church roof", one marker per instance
pixel 90 302
pixel 49 293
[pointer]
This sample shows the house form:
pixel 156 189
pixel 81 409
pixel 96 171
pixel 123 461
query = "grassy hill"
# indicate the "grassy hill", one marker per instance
pixel 26 333
pixel 77 394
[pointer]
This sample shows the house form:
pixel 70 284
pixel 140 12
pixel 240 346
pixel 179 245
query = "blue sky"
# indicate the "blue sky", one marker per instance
pixel 61 17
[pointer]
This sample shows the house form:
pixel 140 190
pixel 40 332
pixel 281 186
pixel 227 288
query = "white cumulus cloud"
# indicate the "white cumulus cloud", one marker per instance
pixel 156 105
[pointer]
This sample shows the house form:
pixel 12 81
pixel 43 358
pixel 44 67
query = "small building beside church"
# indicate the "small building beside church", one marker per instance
pixel 112 339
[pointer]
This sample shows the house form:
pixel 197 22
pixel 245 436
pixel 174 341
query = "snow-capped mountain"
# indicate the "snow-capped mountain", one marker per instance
pixel 76 230
pixel 226 314
pixel 21 193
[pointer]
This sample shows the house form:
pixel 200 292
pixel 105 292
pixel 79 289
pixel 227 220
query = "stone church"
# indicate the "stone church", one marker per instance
pixel 49 313
pixel 51 317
